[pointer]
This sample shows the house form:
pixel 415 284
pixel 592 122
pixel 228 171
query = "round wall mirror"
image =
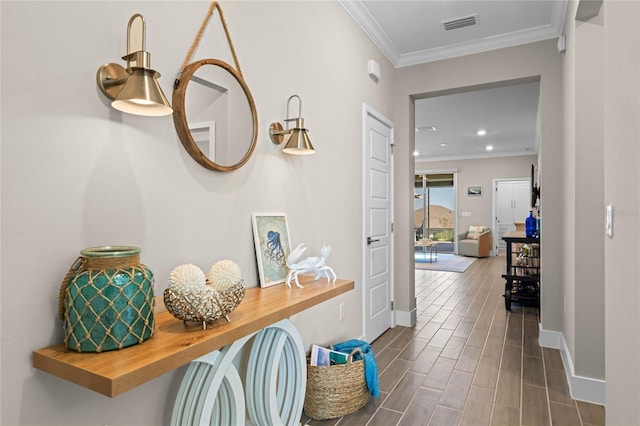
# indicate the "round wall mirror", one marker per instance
pixel 214 115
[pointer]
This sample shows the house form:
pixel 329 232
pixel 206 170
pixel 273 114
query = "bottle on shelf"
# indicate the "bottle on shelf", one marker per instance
pixel 530 225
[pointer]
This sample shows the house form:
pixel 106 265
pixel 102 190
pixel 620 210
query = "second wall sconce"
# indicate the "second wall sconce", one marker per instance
pixel 134 90
pixel 297 141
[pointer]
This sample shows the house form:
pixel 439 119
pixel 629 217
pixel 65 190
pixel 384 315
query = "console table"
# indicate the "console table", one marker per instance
pixel 212 391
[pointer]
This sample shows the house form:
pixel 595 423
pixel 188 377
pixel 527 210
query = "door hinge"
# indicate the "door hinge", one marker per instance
pixel 391 226
pixel 392 146
pixel 391 303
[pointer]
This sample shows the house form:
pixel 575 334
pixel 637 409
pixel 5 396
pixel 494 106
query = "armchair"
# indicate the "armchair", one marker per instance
pixel 475 244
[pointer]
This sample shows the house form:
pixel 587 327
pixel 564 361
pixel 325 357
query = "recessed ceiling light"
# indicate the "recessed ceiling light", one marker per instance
pixel 481 132
pixel 425 129
pixel 443 144
pixel 416 153
pixel 489 148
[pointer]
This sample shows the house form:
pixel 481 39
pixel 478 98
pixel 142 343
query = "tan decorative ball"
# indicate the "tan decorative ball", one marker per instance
pixel 187 277
pixel 224 274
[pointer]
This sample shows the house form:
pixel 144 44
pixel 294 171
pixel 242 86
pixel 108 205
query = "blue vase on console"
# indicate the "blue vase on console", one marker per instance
pixel 530 226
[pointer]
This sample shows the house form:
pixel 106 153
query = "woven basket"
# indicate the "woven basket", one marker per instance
pixel 204 306
pixel 337 390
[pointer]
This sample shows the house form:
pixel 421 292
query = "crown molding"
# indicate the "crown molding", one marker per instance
pixel 363 18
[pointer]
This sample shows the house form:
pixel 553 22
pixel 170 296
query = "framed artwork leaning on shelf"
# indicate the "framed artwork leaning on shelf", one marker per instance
pixel 271 238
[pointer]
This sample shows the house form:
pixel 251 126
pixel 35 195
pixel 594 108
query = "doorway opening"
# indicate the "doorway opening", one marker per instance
pixel 511 205
pixel 434 210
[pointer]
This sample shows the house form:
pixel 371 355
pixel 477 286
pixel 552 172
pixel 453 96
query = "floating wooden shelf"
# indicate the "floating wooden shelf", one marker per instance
pixel 175 344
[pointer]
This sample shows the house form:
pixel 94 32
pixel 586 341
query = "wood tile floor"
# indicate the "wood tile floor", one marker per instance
pixel 468 361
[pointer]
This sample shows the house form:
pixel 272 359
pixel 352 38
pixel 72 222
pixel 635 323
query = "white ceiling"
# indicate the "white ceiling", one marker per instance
pixel 412 32
pixel 508 114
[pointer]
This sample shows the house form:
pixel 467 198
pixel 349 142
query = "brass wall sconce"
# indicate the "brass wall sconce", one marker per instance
pixel 134 90
pixel 297 141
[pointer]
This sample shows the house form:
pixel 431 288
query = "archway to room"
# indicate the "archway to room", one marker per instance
pixel 478 133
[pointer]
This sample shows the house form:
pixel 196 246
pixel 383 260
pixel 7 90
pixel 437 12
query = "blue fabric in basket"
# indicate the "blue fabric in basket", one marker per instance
pixel 370 367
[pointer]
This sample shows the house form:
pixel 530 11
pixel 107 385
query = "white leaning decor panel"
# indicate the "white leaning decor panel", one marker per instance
pixel 212 392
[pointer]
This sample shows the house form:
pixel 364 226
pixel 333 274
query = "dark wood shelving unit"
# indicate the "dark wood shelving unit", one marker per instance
pixel 522 277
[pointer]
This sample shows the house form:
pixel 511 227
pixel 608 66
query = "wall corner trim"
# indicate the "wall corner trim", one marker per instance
pixel 406 318
pixel 581 388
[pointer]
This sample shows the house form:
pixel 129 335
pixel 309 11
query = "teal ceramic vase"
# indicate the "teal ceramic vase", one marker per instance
pixel 106 300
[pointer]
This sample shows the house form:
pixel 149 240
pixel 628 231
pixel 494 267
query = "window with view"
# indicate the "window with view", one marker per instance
pixel 434 209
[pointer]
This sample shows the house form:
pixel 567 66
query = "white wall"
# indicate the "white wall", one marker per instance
pixel 589 193
pixel 481 172
pixel 583 275
pixel 622 190
pixel 601 72
pixel 76 173
pixel 569 181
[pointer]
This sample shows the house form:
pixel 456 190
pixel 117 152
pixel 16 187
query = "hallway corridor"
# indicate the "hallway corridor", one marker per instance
pixel 467 361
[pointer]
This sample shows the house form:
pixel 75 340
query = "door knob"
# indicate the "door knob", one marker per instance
pixel 370 240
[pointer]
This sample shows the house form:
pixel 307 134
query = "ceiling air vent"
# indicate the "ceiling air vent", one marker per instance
pixel 460 22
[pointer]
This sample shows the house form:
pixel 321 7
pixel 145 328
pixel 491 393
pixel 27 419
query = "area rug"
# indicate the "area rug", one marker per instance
pixel 446 262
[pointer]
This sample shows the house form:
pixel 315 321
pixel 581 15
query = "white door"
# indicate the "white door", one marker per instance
pixel 521 200
pixel 378 216
pixel 512 199
pixel 504 214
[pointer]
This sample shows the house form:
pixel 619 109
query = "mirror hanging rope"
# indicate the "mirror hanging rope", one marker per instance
pixel 218 135
pixel 196 41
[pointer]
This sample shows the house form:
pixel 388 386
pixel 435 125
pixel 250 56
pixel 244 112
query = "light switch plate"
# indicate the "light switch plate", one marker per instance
pixel 609 225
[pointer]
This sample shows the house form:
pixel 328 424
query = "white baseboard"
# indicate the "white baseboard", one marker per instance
pixel 581 388
pixel 550 339
pixel 406 318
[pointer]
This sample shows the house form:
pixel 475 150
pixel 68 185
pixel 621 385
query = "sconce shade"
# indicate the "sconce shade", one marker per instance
pixel 142 95
pixel 299 143
pixel 136 89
